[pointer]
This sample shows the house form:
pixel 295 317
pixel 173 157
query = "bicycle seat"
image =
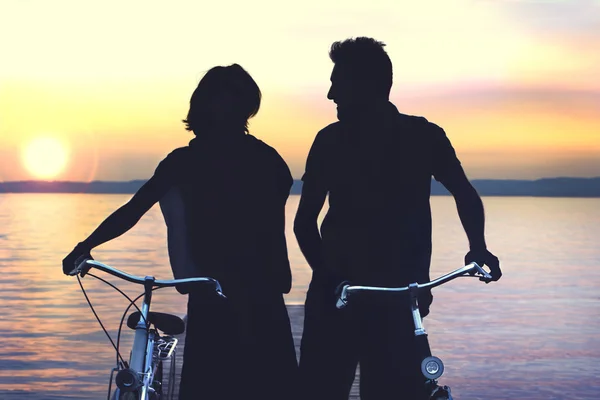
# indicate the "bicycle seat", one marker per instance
pixel 168 323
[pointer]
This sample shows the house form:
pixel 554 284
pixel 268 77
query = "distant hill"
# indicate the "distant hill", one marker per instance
pixel 71 187
pixel 549 187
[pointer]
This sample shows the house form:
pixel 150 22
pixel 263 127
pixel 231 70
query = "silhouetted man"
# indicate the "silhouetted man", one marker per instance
pixel 376 166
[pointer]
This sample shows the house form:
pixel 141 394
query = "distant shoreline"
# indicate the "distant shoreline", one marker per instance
pixel 547 187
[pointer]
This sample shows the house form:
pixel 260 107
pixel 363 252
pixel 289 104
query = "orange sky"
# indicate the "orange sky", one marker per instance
pixel 515 84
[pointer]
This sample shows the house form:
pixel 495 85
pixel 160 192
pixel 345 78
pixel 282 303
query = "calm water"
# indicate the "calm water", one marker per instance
pixel 533 335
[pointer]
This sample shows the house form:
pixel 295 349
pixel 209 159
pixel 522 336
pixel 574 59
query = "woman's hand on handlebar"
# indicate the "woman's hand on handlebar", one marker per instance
pixel 74 258
pixel 484 257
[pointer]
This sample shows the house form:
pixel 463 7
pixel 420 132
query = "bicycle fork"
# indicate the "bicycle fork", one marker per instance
pixel 431 367
pixel 138 376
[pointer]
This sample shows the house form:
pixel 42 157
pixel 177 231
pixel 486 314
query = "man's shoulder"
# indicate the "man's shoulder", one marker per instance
pixel 418 122
pixel 330 130
pixel 329 134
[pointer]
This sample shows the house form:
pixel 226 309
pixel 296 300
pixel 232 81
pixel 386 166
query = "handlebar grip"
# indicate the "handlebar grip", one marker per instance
pixel 486 276
pixel 82 266
pixel 187 287
pixel 341 303
pixel 342 295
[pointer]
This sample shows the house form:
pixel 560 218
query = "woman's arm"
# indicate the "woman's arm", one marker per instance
pixel 180 258
pixel 125 218
pixel 121 220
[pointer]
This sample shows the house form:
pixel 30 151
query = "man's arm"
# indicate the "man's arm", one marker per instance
pixel 314 193
pixel 472 217
pixel 448 170
pixel 281 261
pixel 306 223
pixel 469 207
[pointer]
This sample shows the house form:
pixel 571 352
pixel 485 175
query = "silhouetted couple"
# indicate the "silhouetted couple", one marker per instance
pixel 224 196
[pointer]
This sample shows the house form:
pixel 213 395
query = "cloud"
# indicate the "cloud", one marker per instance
pixel 571 17
pixel 550 98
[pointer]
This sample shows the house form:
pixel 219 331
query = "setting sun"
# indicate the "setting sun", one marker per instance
pixel 45 157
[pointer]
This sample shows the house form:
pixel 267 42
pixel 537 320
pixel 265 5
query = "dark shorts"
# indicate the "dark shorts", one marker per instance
pixel 377 334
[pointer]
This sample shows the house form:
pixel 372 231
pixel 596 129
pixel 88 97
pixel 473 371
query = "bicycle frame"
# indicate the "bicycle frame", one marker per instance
pixel 143 342
pixel 139 375
pixel 142 353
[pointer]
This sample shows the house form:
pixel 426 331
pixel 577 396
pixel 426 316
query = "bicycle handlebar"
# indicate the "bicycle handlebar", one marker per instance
pixel 472 269
pixel 87 264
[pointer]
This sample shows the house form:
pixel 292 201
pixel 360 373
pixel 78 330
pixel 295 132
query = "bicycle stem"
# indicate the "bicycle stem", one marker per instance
pixel 431 367
pixel 413 291
pixel 138 354
pixel 422 343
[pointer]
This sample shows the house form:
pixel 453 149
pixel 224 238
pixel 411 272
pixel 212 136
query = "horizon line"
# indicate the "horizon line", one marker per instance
pixel 295 179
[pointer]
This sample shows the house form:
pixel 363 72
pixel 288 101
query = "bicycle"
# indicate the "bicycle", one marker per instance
pixel 431 367
pixel 142 377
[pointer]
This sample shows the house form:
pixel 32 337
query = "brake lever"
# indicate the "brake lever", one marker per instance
pixel 342 295
pixel 485 276
pixel 219 290
pixel 83 267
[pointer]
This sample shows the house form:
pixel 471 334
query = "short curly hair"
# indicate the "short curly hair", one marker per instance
pixel 365 57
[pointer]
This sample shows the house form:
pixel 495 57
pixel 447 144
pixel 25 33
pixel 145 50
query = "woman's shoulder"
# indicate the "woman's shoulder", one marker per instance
pixel 179 152
pixel 261 146
pixel 174 159
pixel 267 155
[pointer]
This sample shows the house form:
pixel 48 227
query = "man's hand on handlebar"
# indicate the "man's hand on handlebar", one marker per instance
pixel 424 300
pixel 484 257
pixel 74 258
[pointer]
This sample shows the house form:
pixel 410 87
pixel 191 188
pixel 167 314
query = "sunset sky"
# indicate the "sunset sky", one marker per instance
pixel 515 84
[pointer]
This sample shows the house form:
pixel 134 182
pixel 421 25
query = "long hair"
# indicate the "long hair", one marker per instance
pixel 232 80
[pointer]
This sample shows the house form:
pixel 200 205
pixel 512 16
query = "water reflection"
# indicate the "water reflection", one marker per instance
pixel 534 335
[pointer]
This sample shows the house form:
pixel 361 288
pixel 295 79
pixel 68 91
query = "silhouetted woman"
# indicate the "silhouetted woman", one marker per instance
pixel 223 198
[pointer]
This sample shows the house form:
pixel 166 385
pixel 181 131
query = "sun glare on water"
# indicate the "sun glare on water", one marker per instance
pixel 45 157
